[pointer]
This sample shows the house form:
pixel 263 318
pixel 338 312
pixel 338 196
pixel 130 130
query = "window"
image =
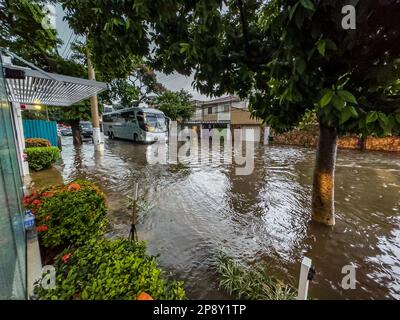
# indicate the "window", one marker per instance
pixel 210 110
pixel 128 116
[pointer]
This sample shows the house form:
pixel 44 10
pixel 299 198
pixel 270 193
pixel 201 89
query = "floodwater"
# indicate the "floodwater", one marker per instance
pixel 195 209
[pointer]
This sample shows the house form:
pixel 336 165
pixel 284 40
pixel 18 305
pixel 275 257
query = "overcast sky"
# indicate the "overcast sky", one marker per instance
pixel 174 82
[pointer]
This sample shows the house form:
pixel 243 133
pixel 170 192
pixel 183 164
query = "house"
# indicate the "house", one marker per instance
pixel 226 113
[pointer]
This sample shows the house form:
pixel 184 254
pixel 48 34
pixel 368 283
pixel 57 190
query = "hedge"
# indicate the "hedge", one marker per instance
pixel 68 214
pixel 36 142
pixel 109 270
pixel 40 158
pixel 71 221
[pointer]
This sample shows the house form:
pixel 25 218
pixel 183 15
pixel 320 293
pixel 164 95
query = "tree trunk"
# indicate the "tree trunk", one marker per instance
pixel 323 208
pixel 76 133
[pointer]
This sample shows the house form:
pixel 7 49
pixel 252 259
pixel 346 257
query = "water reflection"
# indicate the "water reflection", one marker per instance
pixel 200 207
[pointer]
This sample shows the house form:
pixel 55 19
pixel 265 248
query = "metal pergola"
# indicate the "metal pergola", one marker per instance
pixel 39 87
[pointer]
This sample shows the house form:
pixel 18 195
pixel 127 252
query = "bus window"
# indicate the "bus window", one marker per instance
pixel 140 119
pixel 156 121
pixel 128 116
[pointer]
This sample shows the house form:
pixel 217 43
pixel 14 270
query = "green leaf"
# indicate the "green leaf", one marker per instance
pixel 84 295
pixel 300 66
pixel 293 10
pixel 345 115
pixel 353 111
pixel 321 45
pixel 327 97
pixel 338 102
pixel 331 45
pixel 184 47
pixel 383 119
pixel 372 117
pixel 347 96
pixel 397 117
pixel 299 18
pixel 307 4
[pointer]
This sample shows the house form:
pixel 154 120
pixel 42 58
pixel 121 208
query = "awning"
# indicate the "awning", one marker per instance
pixel 39 87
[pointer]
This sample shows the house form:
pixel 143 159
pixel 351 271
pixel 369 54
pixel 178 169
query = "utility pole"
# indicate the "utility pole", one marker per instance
pixel 97 139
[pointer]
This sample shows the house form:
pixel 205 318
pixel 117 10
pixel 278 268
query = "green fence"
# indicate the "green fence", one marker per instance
pixel 41 129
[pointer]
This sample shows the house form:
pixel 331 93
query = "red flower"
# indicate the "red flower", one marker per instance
pixel 47 194
pixel 144 296
pixel 37 203
pixel 66 257
pixel 42 228
pixel 74 186
pixel 26 201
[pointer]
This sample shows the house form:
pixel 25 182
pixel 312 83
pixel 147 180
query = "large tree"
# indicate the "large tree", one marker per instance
pixel 22 32
pixel 175 105
pixel 290 56
pixel 136 88
pixel 117 32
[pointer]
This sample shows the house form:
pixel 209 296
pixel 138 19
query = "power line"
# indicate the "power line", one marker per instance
pixel 66 46
pixel 70 48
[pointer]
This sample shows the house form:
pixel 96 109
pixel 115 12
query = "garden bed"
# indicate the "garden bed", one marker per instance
pixel 71 221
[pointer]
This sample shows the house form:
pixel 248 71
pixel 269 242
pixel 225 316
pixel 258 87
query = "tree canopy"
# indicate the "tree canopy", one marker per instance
pixel 117 32
pixel 175 105
pixel 136 87
pixel 291 56
pixel 21 30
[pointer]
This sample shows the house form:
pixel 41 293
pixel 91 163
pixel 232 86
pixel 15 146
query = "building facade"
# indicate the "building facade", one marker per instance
pixel 226 113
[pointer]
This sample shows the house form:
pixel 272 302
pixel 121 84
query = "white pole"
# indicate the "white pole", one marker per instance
pixel 97 138
pixel 136 191
pixel 19 130
pixel 266 135
pixel 303 281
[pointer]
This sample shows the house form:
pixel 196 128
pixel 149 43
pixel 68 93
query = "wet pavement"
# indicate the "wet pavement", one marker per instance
pixel 194 209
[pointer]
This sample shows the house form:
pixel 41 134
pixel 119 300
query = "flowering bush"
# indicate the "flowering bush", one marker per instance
pixel 40 158
pixel 37 142
pixel 110 269
pixel 68 214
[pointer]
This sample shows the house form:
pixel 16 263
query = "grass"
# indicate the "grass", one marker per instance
pixel 251 283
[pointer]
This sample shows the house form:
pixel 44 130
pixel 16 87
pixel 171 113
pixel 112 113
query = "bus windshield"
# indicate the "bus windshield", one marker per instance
pixel 156 121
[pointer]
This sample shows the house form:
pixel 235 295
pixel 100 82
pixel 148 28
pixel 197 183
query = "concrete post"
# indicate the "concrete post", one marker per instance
pixel 266 135
pixel 303 281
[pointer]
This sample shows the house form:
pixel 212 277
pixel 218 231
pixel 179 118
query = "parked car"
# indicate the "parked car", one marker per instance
pixel 66 132
pixel 86 129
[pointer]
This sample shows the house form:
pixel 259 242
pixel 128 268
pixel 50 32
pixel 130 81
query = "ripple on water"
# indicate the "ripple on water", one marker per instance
pixel 200 207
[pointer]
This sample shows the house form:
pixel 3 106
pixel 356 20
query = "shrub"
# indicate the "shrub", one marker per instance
pixel 109 269
pixel 37 142
pixel 68 214
pixel 251 283
pixel 40 158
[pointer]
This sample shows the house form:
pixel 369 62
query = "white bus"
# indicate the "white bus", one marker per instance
pixel 137 124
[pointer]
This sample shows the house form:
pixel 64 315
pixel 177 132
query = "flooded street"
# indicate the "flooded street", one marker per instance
pixel 195 209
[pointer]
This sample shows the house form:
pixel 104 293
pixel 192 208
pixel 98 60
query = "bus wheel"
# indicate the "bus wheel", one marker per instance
pixel 135 137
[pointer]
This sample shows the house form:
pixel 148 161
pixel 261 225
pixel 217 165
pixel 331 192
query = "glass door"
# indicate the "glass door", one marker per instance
pixel 12 235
